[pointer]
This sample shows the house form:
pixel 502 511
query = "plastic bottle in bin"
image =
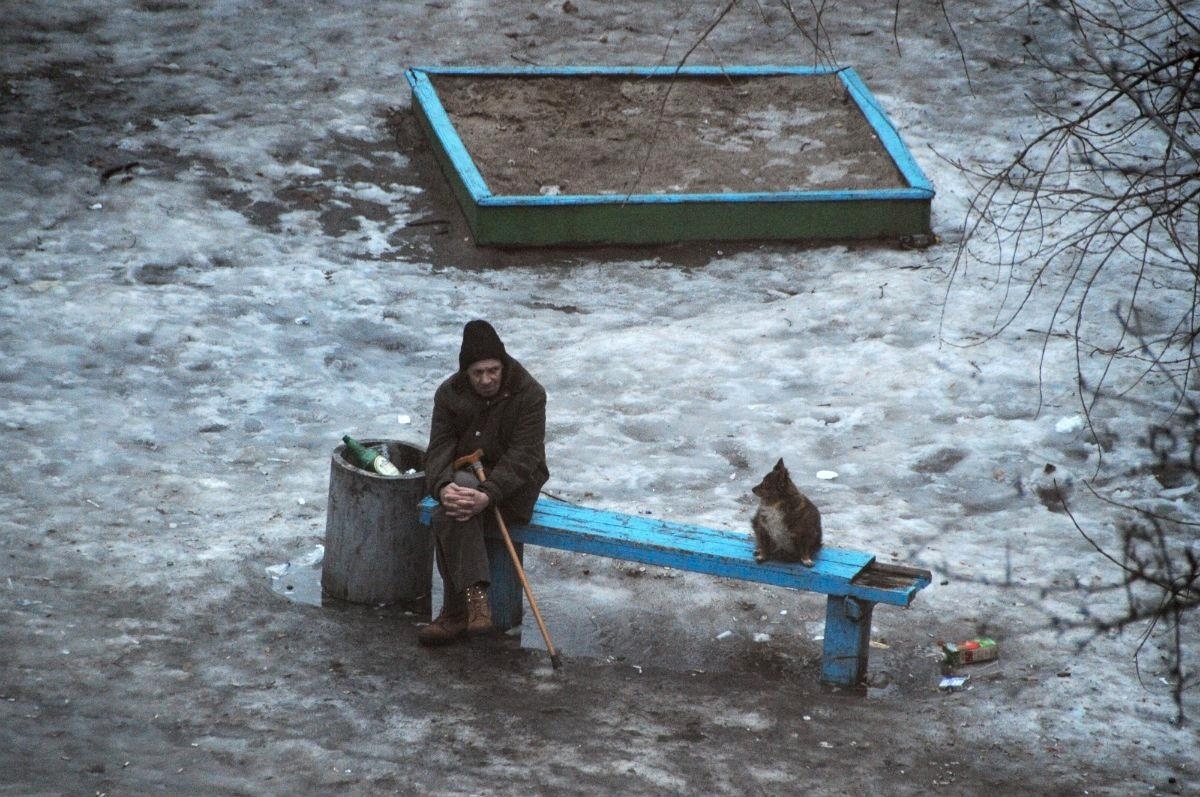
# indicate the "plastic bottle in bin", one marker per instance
pixel 371 459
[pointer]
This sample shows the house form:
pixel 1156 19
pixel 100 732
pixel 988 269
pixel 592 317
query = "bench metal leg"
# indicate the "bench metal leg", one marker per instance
pixel 505 591
pixel 847 640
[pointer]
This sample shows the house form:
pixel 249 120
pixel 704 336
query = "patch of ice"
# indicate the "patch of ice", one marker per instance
pixel 1178 492
pixel 1070 424
pixel 302 169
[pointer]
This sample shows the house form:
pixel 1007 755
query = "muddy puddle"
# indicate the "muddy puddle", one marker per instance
pixel 655 630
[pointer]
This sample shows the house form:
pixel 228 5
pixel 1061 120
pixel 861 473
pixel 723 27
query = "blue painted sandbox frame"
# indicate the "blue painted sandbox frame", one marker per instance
pixel 853 580
pixel 519 220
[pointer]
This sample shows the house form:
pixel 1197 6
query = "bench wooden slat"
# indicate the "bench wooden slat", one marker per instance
pixel 654 531
pixel 700 539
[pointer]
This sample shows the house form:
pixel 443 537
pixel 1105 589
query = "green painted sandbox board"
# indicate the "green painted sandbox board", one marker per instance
pixel 512 220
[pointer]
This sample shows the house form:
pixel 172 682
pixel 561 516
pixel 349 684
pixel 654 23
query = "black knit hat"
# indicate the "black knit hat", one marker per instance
pixel 480 342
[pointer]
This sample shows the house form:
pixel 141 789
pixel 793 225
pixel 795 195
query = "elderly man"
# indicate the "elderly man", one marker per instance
pixel 491 403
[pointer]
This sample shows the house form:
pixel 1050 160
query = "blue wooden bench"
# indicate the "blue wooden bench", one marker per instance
pixel 853 581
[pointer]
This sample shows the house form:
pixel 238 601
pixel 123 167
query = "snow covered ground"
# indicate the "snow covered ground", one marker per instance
pixel 222 248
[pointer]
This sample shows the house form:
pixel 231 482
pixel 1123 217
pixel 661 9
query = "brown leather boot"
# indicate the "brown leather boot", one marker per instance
pixel 448 627
pixel 479 611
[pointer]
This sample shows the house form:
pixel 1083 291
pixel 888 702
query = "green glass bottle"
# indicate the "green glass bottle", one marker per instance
pixel 371 459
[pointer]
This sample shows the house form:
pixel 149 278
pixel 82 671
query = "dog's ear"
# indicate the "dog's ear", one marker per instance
pixel 779 466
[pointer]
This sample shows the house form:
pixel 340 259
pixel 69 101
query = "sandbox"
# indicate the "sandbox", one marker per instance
pixel 643 155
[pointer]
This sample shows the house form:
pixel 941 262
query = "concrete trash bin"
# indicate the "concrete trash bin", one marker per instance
pixel 376 550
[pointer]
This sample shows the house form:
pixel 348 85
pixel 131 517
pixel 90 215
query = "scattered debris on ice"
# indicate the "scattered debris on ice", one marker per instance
pixel 299 580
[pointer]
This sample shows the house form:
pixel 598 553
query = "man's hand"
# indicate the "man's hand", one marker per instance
pixel 463 503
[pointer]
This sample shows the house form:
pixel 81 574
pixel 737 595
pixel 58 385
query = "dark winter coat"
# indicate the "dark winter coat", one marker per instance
pixel 510 428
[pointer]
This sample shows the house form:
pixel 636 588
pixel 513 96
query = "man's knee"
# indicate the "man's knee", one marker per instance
pixel 446 527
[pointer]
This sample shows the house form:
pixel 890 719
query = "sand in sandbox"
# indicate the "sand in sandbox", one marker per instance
pixel 665 135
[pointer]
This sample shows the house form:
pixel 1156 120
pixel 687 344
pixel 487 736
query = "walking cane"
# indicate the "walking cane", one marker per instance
pixel 477 466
